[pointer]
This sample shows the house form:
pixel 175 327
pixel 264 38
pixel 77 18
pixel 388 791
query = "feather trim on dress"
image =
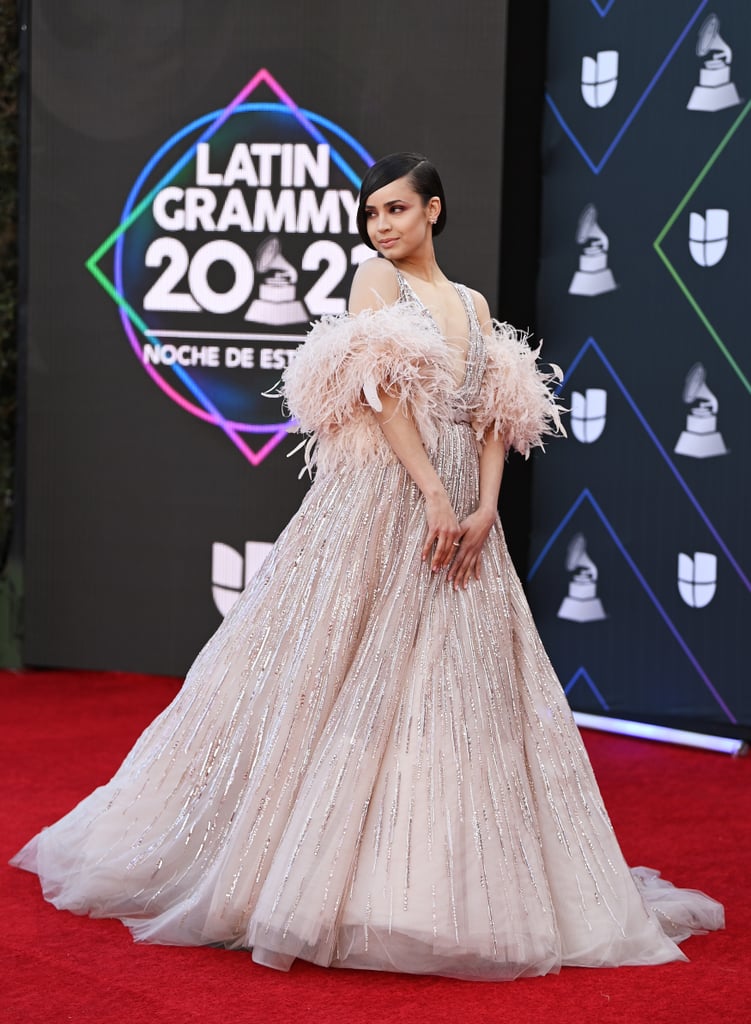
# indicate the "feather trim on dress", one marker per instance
pixel 516 402
pixel 331 386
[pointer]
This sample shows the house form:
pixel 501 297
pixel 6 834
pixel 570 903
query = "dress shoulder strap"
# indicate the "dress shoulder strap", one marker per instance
pixel 469 306
pixel 406 293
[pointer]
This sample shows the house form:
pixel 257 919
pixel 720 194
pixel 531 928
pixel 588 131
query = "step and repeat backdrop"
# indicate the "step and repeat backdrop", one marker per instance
pixel 194 169
pixel 641 551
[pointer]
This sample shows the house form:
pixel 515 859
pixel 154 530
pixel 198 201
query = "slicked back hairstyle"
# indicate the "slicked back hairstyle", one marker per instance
pixel 423 177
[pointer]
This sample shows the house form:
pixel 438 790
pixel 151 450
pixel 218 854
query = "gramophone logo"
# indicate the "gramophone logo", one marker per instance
pixel 588 414
pixel 581 604
pixel 231 572
pixel 701 439
pixel 277 301
pixel 708 236
pixel 593 276
pixel 599 78
pixel 239 230
pixel 715 91
pixel 697 578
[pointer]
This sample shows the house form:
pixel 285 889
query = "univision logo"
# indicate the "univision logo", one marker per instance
pixel 599 78
pixel 588 414
pixel 697 578
pixel 708 236
pixel 231 572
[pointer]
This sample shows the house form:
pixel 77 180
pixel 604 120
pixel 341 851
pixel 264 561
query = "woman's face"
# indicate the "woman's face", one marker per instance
pixel 399 219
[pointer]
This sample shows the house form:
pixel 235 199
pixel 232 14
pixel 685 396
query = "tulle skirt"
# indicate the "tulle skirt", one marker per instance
pixel 366 768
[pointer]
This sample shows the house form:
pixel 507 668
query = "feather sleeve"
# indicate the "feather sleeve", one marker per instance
pixel 332 383
pixel 516 401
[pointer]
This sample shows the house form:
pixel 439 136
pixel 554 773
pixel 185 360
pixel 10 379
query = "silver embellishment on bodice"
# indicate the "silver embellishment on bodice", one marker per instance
pixel 468 394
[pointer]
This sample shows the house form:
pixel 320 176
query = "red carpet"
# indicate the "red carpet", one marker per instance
pixel 683 811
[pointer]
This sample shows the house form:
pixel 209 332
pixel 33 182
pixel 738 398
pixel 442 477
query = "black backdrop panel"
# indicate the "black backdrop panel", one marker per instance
pixel 641 554
pixel 193 168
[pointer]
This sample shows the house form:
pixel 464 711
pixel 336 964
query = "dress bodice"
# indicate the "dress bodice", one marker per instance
pixel 331 387
pixel 468 392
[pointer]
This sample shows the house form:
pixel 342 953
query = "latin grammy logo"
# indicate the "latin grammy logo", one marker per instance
pixel 708 236
pixel 277 302
pixel 697 578
pixel 581 604
pixel 599 78
pixel 701 439
pixel 588 414
pixel 593 276
pixel 231 573
pixel 715 91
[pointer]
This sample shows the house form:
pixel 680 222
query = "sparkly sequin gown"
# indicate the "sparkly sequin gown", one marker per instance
pixel 365 768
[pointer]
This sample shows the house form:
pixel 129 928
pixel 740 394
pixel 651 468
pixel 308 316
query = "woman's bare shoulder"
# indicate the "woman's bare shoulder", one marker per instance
pixel 375 285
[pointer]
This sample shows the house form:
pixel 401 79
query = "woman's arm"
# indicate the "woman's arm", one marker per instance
pixel 443 526
pixel 476 527
pixel 375 285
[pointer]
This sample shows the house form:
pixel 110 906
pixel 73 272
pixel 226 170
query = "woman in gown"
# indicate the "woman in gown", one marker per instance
pixel 372 764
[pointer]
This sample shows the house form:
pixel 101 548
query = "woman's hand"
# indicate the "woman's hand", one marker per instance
pixel 443 531
pixel 474 532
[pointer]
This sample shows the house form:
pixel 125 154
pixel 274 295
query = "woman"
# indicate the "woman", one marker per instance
pixel 372 764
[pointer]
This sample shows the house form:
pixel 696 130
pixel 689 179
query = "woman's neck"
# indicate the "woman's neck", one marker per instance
pixel 422 266
pixel 425 270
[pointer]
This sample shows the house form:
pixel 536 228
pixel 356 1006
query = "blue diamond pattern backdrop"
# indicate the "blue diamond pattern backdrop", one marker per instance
pixel 640 551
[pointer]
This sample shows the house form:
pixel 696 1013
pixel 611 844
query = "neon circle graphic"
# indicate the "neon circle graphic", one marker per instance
pixel 196 400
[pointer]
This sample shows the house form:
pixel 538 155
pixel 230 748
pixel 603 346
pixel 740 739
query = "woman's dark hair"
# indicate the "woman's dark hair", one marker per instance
pixel 423 177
